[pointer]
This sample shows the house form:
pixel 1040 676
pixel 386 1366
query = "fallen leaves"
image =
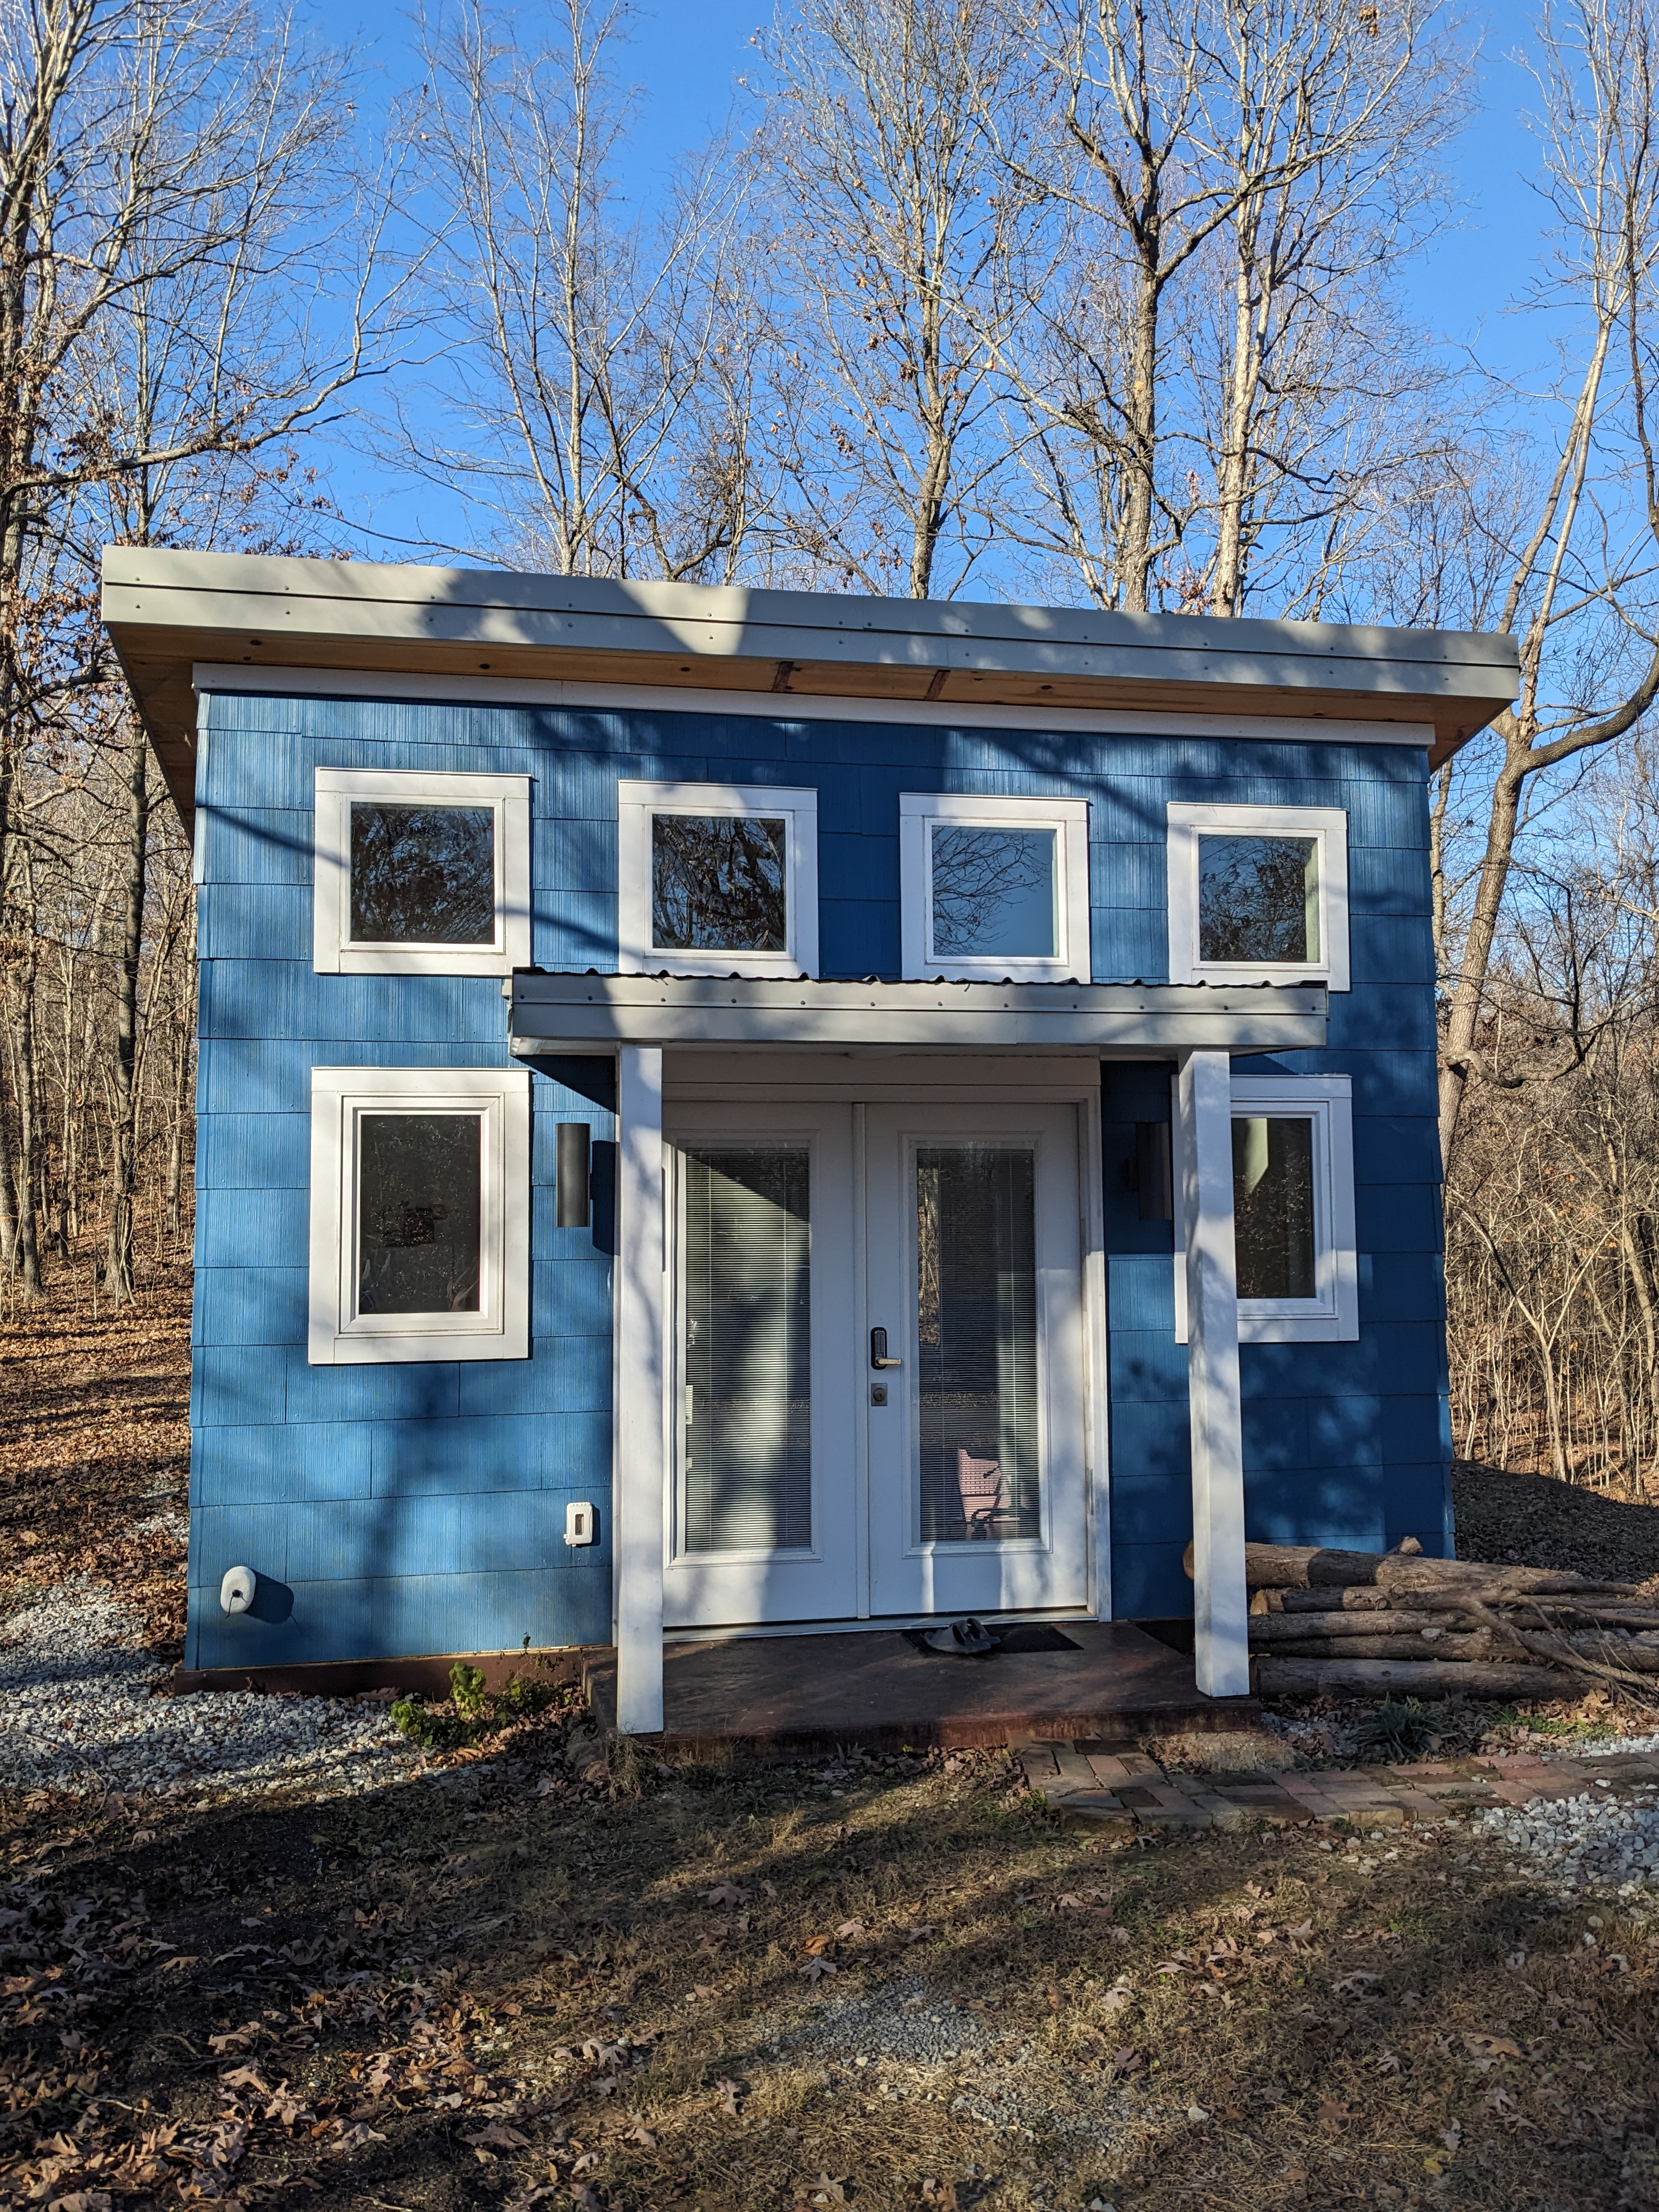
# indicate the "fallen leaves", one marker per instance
pixel 826 2190
pixel 730 2094
pixel 726 1892
pixel 496 2136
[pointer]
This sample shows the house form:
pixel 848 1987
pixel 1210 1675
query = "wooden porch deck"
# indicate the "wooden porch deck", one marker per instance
pixel 802 1693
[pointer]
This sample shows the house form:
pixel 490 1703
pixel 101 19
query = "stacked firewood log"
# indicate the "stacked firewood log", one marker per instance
pixel 1400 1623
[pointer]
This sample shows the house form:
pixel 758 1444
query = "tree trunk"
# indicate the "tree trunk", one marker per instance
pixel 1469 991
pixel 1413 1678
pixel 123 1181
pixel 1134 562
pixel 26 1176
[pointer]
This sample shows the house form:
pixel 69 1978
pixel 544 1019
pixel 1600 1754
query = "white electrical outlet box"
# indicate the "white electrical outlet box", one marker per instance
pixel 579 1523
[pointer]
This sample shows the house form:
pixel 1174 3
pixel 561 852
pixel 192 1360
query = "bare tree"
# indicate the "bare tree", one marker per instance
pixel 895 236
pixel 1580 590
pixel 1216 357
pixel 601 367
pixel 168 167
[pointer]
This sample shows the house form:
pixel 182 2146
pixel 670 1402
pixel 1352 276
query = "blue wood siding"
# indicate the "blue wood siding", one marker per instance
pixel 417 1508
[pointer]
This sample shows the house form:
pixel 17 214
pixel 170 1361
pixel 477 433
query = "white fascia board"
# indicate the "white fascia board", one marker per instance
pixel 289 597
pixel 266 682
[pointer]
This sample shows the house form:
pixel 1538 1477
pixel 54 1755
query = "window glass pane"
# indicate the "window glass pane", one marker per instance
pixel 747 1303
pixel 994 893
pixel 419 1209
pixel 1273 1206
pixel 719 883
pixel 423 875
pixel 1258 898
pixel 976 1342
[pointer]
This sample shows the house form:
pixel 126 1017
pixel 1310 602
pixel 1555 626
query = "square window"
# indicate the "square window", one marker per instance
pixel 1293 1212
pixel 720 883
pixel 994 888
pixel 422 874
pixel 419 1245
pixel 716 879
pixel 1257 895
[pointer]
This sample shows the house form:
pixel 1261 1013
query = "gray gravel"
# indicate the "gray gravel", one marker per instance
pixel 79 1712
pixel 1593 1840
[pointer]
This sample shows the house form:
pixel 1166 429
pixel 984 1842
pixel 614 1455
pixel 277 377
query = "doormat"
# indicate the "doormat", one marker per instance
pixel 1035 1636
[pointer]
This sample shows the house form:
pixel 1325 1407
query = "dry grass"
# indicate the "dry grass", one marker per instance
pixel 903 1979
pixel 1222 1751
pixel 477 1990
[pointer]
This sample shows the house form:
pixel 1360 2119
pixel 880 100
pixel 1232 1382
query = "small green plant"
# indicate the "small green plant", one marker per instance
pixel 474 1711
pixel 1400 1727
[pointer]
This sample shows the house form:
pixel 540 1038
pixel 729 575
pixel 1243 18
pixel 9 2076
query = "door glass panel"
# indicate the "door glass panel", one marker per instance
pixel 747 1418
pixel 977 1343
pixel 1273 1205
pixel 419 1212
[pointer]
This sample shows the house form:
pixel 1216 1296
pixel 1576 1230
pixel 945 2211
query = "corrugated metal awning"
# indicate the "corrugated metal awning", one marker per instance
pixel 591 1012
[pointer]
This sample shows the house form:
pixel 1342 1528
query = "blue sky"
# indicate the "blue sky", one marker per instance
pixel 685 55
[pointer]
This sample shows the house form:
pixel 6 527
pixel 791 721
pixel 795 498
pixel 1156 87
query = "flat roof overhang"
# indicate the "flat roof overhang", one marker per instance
pixel 167 611
pixel 553 1014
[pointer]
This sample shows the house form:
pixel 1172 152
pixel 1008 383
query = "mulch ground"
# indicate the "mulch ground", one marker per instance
pixel 1532 1520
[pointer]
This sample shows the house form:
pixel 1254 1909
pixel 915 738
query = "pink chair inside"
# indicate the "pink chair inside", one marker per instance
pixel 983 1492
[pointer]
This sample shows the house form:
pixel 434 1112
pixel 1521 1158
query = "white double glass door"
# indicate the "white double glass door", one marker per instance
pixel 876 1403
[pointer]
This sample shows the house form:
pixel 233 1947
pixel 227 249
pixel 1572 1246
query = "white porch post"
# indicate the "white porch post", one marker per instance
pixel 1220 1603
pixel 641 1322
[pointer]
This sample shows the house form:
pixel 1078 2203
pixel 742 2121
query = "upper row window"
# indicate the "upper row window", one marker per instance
pixel 429 873
pixel 994 888
pixel 1257 895
pixel 717 878
pixel 421 874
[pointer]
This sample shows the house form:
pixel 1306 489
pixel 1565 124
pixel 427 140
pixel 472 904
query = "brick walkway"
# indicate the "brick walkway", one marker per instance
pixel 1090 1782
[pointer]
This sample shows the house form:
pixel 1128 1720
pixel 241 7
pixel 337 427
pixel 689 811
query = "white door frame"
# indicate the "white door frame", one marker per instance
pixel 780 1078
pixel 1050 1570
pixel 749 1589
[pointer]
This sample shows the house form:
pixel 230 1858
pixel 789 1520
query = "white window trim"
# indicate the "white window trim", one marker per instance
pixel 334 953
pixel 636 802
pixel 338 1335
pixel 1067 817
pixel 1329 825
pixel 1332 1315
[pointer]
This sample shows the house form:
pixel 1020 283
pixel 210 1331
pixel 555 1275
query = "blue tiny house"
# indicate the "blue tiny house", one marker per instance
pixel 734 1110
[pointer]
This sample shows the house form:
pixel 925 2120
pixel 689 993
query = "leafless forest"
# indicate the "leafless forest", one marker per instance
pixel 1101 301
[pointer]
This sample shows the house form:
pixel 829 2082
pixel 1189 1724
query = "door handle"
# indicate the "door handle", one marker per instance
pixel 878 1349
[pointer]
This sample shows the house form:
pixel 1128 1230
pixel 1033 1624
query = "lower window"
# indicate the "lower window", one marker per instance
pixel 1293 1212
pixel 419 1214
